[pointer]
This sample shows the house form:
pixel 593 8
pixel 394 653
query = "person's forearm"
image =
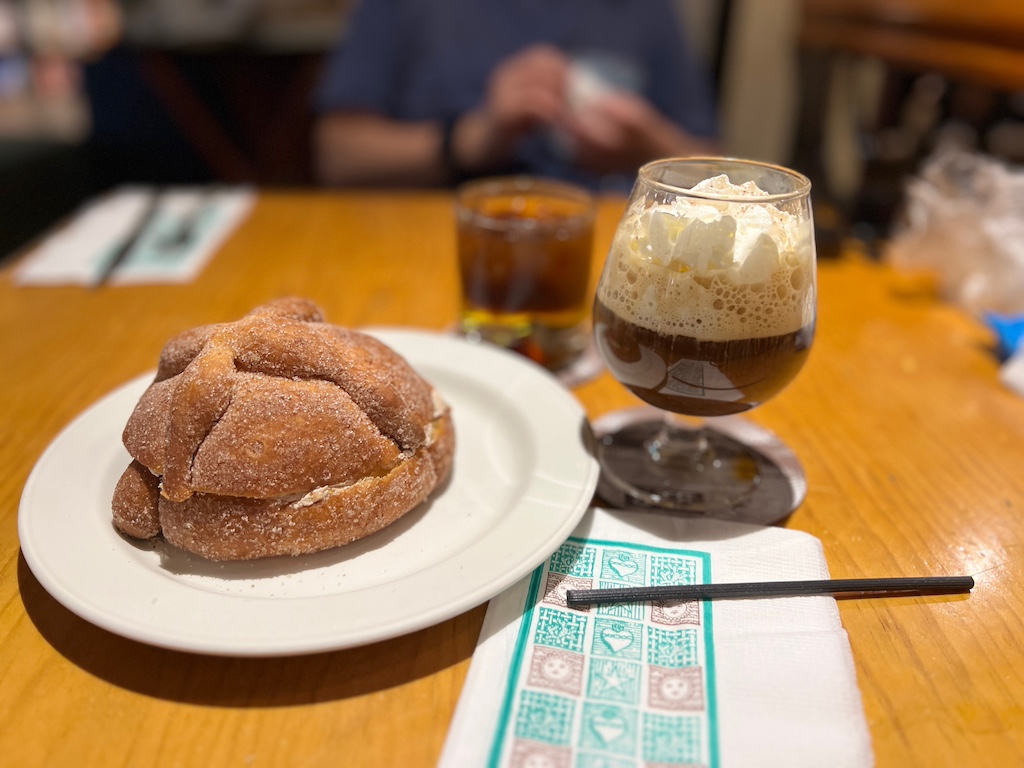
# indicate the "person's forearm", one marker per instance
pixel 670 140
pixel 478 144
pixel 370 150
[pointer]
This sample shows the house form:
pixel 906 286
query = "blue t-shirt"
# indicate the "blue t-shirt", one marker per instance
pixel 431 60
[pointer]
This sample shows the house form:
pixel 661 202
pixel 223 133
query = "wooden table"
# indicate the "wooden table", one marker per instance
pixel 912 448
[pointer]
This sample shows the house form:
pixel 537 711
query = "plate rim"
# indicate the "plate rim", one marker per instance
pixel 462 599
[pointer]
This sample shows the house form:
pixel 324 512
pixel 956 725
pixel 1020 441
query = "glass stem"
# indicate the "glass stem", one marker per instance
pixel 673 441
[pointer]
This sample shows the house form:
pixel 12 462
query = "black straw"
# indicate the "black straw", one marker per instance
pixel 756 589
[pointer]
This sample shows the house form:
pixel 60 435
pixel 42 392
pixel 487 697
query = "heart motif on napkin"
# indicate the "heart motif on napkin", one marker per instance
pixel 622 565
pixel 616 639
pixel 608 727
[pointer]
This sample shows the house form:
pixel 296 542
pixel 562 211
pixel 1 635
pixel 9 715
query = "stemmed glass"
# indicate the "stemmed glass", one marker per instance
pixel 705 308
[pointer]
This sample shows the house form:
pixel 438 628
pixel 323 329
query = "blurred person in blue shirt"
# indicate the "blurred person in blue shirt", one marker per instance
pixel 430 92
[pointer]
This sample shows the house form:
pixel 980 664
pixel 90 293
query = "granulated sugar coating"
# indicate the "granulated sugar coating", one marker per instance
pixel 712 269
pixel 279 434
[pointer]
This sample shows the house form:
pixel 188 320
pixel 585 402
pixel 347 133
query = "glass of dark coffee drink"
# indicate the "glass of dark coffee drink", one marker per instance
pixel 705 308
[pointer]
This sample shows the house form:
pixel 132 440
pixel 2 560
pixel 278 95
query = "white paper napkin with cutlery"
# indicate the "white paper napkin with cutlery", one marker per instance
pixel 766 682
pixel 171 234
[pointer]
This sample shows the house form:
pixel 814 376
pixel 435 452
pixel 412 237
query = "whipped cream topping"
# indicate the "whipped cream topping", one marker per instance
pixel 712 269
pixel 705 234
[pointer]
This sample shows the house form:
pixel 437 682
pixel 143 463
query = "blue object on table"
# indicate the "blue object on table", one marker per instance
pixel 1009 331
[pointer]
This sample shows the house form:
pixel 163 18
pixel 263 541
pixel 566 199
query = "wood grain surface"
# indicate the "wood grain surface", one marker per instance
pixel 912 448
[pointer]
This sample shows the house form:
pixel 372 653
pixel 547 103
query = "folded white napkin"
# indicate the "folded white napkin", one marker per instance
pixel 719 683
pixel 185 227
pixel 1012 372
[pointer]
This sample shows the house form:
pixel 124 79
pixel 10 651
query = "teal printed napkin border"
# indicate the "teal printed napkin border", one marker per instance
pixel 615 685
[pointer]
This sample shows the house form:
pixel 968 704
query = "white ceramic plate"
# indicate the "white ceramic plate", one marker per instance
pixel 523 476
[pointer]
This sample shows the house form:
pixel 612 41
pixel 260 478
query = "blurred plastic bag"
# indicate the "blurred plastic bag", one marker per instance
pixel 964 222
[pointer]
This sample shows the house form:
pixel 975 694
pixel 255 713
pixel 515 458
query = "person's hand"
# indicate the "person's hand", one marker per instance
pixel 621 131
pixel 525 92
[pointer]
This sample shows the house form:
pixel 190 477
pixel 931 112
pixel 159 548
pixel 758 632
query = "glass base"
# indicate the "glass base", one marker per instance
pixel 672 467
pixel 554 347
pixel 569 353
pixel 742 472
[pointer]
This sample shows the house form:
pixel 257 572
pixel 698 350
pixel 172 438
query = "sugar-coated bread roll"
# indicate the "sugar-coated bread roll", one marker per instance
pixel 279 434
